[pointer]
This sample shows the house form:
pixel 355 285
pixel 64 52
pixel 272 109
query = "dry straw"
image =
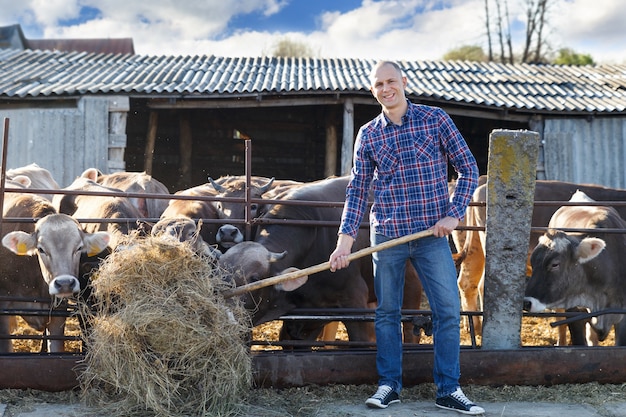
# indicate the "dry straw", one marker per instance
pixel 163 341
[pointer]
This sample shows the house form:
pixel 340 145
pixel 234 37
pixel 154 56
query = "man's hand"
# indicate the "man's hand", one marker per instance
pixel 339 258
pixel 445 226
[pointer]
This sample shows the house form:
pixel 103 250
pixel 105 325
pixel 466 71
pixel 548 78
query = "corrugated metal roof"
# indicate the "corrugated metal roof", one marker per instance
pixel 12 37
pixel 521 87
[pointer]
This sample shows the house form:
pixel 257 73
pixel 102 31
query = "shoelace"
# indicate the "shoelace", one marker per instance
pixel 382 392
pixel 460 397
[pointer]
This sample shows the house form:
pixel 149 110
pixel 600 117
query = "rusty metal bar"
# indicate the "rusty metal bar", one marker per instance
pixel 3 167
pixel 248 211
pixel 280 369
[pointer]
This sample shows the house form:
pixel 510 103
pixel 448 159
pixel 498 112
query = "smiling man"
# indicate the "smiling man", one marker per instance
pixel 403 154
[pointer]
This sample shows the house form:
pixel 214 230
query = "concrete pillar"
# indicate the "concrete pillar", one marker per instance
pixel 511 177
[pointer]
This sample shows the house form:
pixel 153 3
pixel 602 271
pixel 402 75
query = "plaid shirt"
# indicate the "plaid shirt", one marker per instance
pixel 407 168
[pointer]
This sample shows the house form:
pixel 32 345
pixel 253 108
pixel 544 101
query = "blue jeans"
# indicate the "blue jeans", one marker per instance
pixel 432 259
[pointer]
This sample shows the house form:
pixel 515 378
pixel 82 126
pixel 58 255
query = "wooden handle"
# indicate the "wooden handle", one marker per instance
pixel 323 266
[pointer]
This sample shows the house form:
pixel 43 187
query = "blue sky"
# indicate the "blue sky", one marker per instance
pixel 294 16
pixel 373 29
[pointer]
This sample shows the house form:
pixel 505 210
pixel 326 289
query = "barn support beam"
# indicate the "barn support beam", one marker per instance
pixel 153 122
pixel 185 149
pixel 330 162
pixel 118 113
pixel 511 177
pixel 347 143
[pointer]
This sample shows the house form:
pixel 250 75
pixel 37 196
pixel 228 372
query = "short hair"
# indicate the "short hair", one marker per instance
pixel 382 64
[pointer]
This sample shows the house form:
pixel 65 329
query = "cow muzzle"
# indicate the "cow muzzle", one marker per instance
pixel 228 236
pixel 531 304
pixel 64 286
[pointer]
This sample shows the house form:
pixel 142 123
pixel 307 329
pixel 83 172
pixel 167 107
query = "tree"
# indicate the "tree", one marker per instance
pixel 535 24
pixel 567 56
pixel 286 47
pixel 466 53
pixel 535 43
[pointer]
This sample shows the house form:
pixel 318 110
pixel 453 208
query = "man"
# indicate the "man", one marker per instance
pixel 403 154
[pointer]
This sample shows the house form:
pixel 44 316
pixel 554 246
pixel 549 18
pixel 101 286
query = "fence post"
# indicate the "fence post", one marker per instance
pixel 511 177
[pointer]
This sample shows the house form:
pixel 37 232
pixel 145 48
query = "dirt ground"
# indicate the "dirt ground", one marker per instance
pixel 308 401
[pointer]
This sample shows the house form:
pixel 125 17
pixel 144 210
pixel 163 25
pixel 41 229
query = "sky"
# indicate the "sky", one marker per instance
pixel 368 29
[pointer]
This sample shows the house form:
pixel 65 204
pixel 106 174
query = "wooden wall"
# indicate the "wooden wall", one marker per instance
pixel 68 136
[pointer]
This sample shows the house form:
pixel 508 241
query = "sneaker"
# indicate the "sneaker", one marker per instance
pixel 457 401
pixel 384 397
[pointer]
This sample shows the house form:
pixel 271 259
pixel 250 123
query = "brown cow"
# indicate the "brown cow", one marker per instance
pixel 267 303
pixel 38 178
pixel 196 209
pixel 224 187
pixel 41 260
pixel 472 255
pixel 136 183
pixel 185 229
pixel 311 245
pixel 93 206
pixel 572 269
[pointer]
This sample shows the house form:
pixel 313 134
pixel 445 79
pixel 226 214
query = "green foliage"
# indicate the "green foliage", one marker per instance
pixel 466 53
pixel 567 56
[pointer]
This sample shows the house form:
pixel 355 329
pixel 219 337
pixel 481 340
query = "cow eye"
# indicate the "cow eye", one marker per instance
pixel 554 265
pixel 41 250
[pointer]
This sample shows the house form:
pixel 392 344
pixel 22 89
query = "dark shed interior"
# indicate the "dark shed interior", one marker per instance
pixel 287 142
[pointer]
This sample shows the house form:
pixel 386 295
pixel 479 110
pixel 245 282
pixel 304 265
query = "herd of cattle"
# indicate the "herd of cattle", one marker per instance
pixel 65 232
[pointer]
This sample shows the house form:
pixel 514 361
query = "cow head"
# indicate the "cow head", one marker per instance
pixel 564 275
pixel 59 242
pixel 250 262
pixel 558 270
pixel 184 229
pixel 236 187
pixel 228 236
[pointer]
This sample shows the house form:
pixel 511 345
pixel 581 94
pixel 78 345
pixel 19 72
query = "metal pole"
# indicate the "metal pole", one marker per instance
pixel 248 213
pixel 3 170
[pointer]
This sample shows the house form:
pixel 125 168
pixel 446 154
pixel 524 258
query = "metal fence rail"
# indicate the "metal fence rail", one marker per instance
pixel 325 315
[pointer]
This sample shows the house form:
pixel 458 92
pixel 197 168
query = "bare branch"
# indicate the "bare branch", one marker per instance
pixel 490 51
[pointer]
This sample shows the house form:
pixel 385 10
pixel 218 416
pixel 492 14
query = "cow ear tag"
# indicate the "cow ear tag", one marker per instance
pixel 93 250
pixel 21 249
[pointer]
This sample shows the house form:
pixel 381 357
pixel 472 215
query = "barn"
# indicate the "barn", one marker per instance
pixel 176 116
pixel 182 118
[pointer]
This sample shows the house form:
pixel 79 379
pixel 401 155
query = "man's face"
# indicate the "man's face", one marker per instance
pixel 388 87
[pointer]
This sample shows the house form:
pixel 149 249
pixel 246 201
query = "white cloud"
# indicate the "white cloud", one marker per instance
pixel 595 27
pixel 400 30
pixel 394 29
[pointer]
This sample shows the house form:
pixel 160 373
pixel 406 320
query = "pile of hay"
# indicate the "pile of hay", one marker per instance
pixel 163 340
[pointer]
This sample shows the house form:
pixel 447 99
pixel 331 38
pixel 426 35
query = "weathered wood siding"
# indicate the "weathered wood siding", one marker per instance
pixel 69 137
pixel 586 150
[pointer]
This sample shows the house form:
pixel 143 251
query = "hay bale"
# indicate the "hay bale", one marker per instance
pixel 162 338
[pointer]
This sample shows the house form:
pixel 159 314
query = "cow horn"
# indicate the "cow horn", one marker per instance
pixel 276 256
pixel 267 186
pixel 217 187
